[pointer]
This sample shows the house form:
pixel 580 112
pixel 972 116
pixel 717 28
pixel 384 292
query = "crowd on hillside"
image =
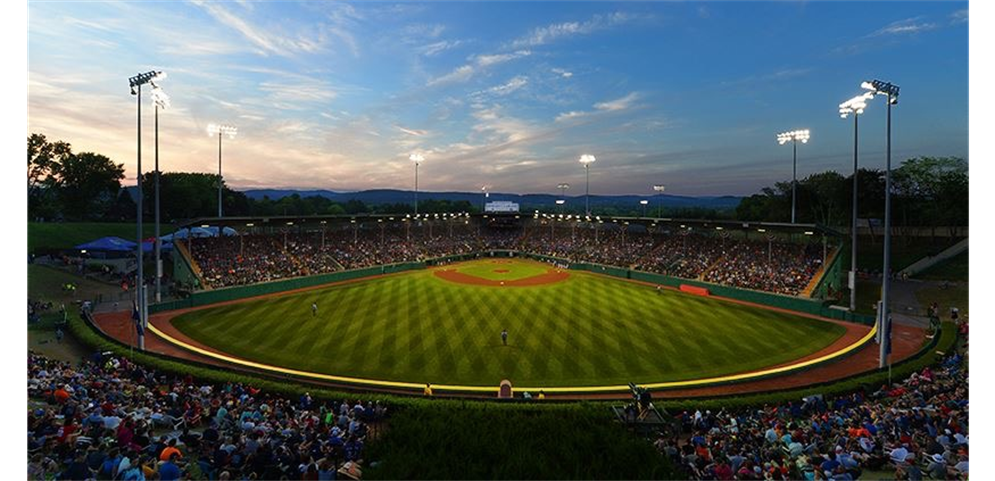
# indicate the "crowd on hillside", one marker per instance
pixel 917 429
pixel 781 267
pixel 108 418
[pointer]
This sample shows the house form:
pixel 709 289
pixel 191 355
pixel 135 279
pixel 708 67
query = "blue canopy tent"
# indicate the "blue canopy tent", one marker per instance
pixel 108 244
pixel 198 232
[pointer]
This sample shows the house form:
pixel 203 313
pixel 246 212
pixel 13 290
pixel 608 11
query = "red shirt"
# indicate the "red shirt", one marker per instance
pixel 61 396
pixel 169 451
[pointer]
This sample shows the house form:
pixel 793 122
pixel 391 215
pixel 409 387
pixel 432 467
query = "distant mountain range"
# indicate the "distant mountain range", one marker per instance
pixel 391 196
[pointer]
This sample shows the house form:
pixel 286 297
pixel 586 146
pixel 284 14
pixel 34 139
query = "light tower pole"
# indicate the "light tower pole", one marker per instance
pixel 794 136
pixel 891 92
pixel 136 83
pixel 417 159
pixel 161 100
pixel 563 194
pixel 221 131
pixel 587 160
pixel 659 188
pixel 643 203
pixel 856 107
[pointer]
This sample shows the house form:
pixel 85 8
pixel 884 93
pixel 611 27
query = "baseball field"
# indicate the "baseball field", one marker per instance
pixel 565 328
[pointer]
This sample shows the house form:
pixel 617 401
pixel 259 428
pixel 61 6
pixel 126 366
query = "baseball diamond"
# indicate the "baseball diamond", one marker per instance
pixel 583 330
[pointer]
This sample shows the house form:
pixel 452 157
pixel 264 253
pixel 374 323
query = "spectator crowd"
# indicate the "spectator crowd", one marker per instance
pixel 913 430
pixel 108 418
pixel 780 267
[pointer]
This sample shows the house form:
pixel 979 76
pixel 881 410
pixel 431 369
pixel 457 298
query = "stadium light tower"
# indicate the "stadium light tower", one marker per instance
pixel 136 83
pixel 856 107
pixel 587 160
pixel 563 194
pixel 643 203
pixel 486 195
pixel 879 87
pixel 659 188
pixel 417 159
pixel 161 100
pixel 794 137
pixel 221 131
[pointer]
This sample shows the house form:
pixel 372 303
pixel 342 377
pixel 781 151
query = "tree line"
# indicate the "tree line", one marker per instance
pixel 86 186
pixel 68 186
pixel 925 192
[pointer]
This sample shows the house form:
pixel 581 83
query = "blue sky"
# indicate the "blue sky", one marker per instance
pixel 337 95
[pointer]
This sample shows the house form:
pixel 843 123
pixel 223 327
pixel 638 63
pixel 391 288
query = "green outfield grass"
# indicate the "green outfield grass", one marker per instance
pixel 43 236
pixel 587 330
pixel 514 269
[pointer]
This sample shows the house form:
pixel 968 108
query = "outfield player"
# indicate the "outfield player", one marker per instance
pixel 314 309
pixel 504 337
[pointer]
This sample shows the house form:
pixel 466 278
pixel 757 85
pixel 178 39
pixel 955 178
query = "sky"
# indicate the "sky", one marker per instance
pixel 337 95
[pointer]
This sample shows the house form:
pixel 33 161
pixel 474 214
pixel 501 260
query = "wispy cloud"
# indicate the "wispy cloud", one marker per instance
pixel 480 62
pixel 264 39
pixel 509 86
pixel 573 114
pixel 422 30
pixel 414 132
pixel 299 92
pixel 908 26
pixel 563 73
pixel 558 31
pixel 459 74
pixel 618 104
pixel 101 26
pixel 494 59
pixel 960 16
pixel 436 48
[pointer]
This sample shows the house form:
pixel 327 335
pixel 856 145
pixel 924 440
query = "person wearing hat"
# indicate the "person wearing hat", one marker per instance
pixel 898 454
pixel 937 467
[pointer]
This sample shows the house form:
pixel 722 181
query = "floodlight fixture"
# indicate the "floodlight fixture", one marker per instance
pixel 794 135
pixel 137 81
pixel 882 88
pixel 855 105
pixel 222 129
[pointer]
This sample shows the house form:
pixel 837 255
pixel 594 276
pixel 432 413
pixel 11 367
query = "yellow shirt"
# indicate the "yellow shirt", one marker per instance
pixel 428 390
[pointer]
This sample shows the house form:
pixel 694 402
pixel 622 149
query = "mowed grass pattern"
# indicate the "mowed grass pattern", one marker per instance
pixel 587 330
pixel 502 269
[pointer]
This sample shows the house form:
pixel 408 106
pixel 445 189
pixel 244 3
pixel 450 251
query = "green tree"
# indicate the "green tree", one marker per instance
pixel 123 209
pixel 823 196
pixel 86 184
pixel 43 156
pixel 772 204
pixel 932 191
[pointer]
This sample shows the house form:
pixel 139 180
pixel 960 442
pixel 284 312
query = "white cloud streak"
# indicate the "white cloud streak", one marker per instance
pixel 558 31
pixel 563 73
pixel 436 48
pixel 960 16
pixel 908 26
pixel 480 62
pixel 618 104
pixel 265 40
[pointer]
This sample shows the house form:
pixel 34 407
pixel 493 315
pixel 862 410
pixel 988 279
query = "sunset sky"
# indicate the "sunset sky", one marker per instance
pixel 337 95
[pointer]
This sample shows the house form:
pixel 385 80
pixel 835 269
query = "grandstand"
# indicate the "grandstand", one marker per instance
pixel 778 258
